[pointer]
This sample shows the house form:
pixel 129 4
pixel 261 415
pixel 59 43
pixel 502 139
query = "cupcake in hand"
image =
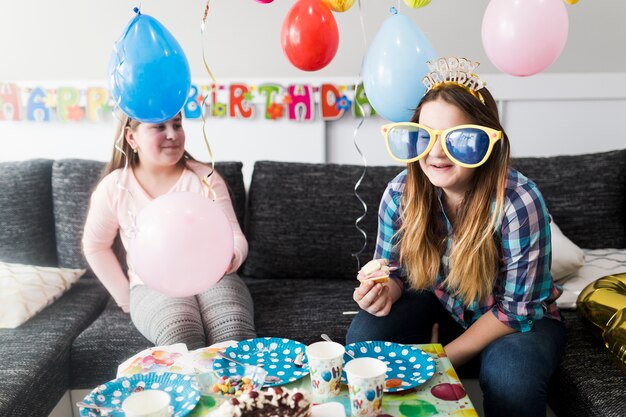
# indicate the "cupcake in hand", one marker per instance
pixel 376 270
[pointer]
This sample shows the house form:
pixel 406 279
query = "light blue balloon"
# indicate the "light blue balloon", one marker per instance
pixel 148 72
pixel 394 66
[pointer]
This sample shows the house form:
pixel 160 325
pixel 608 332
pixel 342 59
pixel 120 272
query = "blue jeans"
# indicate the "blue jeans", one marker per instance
pixel 513 371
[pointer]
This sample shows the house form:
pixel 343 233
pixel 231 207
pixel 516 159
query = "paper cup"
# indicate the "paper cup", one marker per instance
pixel 366 377
pixel 149 403
pixel 325 363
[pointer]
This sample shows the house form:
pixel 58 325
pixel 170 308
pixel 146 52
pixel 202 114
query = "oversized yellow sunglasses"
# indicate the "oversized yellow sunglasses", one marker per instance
pixel 468 146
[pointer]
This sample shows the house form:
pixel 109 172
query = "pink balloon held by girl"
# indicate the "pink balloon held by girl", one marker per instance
pixel 157 172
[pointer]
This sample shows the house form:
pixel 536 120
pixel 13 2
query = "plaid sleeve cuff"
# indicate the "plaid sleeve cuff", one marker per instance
pixel 514 321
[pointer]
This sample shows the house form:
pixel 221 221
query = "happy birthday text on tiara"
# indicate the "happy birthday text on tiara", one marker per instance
pixel 452 69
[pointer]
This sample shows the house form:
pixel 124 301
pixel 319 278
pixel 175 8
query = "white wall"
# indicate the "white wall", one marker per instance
pixel 576 106
pixel 72 39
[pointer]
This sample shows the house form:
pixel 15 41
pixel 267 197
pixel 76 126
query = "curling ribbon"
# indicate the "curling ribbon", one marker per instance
pixel 603 304
pixel 365 112
pixel 131 230
pixel 205 180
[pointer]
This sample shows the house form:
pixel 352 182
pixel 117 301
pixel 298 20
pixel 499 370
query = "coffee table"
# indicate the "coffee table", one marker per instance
pixel 442 395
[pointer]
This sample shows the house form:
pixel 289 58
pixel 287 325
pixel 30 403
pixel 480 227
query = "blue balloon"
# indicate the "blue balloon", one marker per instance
pixel 394 66
pixel 148 72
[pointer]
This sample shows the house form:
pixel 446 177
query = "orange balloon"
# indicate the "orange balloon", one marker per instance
pixel 309 35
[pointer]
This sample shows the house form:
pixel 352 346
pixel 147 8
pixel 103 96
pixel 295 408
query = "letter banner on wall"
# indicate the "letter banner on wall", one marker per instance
pixel 294 102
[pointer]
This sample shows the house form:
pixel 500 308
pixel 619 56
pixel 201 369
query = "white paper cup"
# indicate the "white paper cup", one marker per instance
pixel 148 403
pixel 366 378
pixel 325 363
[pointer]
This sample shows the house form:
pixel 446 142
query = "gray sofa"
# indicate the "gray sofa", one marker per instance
pixel 299 221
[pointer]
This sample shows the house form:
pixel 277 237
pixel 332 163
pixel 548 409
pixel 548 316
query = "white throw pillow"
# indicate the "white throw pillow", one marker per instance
pixel 598 263
pixel 567 258
pixel 25 290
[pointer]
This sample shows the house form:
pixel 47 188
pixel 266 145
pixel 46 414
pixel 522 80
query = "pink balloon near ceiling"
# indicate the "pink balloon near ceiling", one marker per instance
pixel 524 37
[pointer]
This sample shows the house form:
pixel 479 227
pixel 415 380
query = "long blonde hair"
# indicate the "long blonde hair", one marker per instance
pixel 475 254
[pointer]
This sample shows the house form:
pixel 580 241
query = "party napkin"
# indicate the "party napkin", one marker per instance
pixel 155 359
pixel 172 358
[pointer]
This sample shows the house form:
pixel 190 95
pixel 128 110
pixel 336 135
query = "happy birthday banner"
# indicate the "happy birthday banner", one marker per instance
pixel 295 102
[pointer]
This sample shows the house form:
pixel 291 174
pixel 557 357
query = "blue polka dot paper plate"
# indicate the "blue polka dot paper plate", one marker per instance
pixel 276 355
pixel 183 390
pixel 407 366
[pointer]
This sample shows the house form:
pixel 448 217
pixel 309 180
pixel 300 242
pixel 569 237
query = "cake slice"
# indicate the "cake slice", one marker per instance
pixel 273 402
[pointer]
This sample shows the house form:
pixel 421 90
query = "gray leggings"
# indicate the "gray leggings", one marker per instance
pixel 223 312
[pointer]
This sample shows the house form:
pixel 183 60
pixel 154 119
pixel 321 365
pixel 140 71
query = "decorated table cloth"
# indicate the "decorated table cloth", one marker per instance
pixel 441 395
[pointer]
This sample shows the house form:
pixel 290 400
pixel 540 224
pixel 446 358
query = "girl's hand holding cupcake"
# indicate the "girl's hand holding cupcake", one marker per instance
pixel 373 294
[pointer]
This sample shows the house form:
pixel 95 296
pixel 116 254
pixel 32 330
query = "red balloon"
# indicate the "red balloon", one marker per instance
pixel 309 35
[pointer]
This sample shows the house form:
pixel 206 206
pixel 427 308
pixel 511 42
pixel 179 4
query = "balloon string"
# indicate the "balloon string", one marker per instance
pixel 205 180
pixel 364 113
pixel 120 53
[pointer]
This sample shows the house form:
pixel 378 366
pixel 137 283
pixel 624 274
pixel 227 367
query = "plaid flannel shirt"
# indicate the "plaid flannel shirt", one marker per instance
pixel 524 290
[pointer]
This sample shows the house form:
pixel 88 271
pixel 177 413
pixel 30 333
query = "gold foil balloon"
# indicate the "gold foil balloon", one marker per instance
pixel 571 1
pixel 615 336
pixel 603 304
pixel 339 5
pixel 416 4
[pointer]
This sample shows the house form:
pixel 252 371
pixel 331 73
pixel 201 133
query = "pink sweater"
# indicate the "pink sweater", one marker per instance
pixel 112 208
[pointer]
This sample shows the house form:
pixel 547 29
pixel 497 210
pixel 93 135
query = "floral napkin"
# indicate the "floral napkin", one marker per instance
pixel 172 358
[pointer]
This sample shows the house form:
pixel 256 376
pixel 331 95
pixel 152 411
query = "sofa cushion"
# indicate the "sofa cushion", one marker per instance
pixel 28 289
pixel 567 257
pixel 26 218
pixel 231 172
pixel 35 369
pixel 107 342
pixel 585 194
pixel 73 181
pixel 588 382
pixel 301 219
pixel 302 309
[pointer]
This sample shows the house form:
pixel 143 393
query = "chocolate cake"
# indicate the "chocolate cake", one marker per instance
pixel 273 402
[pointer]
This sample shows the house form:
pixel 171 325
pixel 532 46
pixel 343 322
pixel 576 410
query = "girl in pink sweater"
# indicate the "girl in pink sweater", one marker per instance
pixel 158 164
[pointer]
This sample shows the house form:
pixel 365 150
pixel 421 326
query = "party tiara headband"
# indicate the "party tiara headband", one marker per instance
pixel 452 70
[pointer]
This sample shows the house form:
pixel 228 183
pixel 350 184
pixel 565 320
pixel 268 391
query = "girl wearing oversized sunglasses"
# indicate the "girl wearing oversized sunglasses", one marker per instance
pixel 467 238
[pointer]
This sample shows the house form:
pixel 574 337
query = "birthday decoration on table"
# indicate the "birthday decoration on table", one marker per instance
pixel 297 102
pixel 169 358
pixel 407 366
pixel 182 389
pixel 278 356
